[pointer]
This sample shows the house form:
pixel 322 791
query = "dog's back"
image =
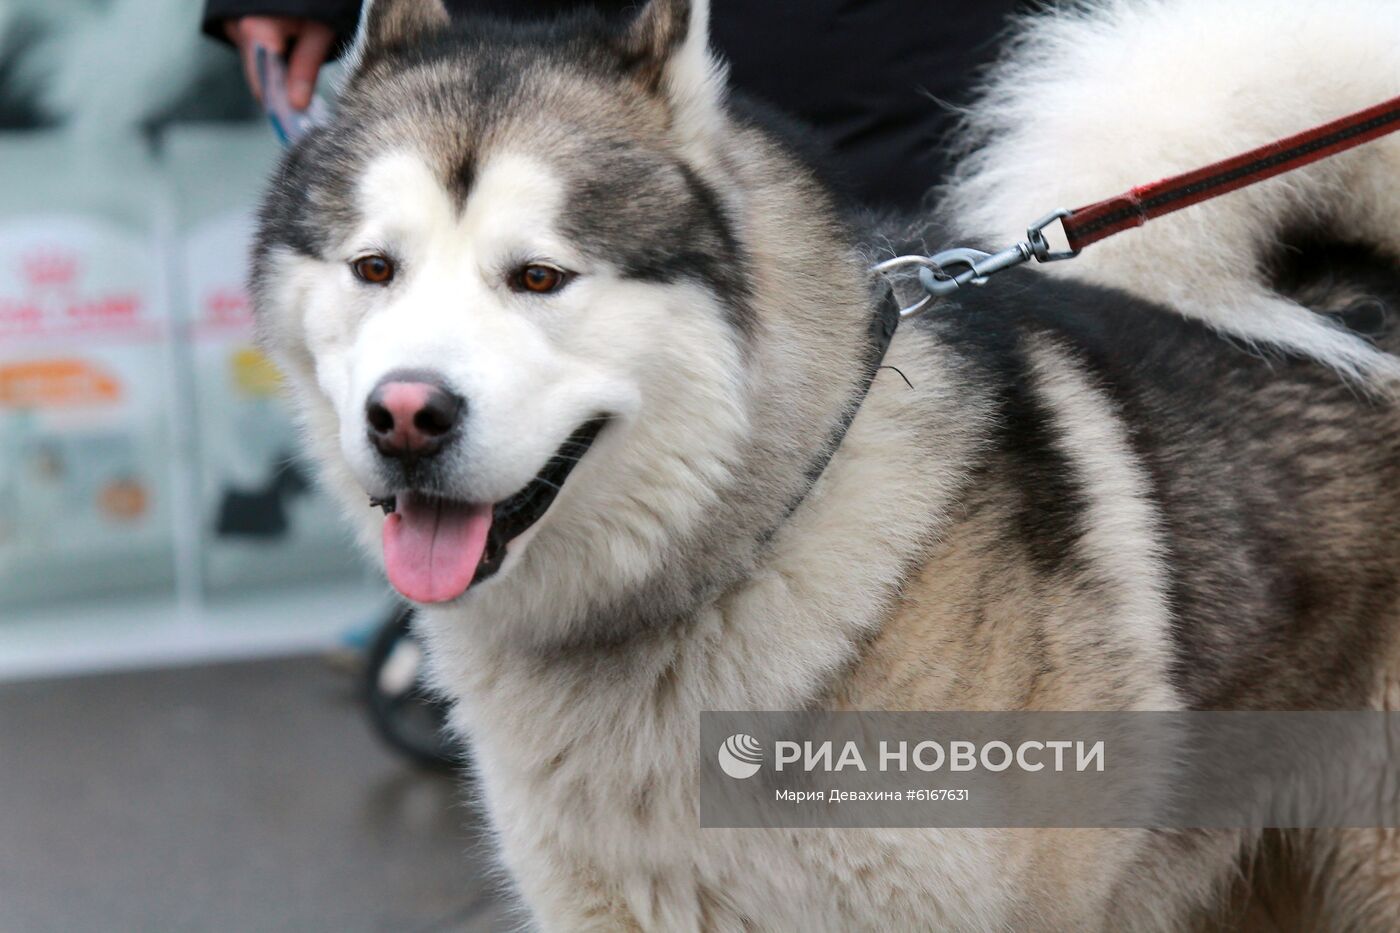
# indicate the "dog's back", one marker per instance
pixel 1265 489
pixel 1161 518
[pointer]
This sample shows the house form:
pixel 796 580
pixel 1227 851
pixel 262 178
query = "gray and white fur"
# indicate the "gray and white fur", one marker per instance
pixel 1148 483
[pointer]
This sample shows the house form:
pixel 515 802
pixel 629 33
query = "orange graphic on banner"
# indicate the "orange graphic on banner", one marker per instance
pixel 123 499
pixel 254 373
pixel 56 383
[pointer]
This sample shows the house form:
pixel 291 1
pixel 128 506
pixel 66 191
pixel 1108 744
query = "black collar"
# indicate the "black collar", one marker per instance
pixel 882 327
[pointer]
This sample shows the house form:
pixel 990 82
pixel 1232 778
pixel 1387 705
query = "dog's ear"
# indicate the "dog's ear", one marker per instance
pixel 386 23
pixel 667 48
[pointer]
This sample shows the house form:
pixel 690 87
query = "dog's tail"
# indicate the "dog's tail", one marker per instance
pixel 1095 98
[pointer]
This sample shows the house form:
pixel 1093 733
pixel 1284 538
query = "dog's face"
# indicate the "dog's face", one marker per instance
pixel 497 273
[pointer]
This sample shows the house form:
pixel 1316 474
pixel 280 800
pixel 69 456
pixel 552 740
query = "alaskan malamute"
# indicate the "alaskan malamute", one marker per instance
pixel 587 329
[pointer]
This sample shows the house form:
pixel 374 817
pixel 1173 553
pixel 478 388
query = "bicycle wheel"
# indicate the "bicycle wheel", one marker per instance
pixel 405 712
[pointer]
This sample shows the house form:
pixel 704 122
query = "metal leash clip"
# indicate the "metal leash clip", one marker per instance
pixel 945 272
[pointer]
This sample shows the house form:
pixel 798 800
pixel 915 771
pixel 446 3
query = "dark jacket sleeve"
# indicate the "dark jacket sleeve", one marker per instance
pixel 340 14
pixel 866 74
pixel 344 14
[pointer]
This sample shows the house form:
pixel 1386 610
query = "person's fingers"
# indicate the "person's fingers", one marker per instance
pixel 312 46
pixel 250 32
pixel 234 30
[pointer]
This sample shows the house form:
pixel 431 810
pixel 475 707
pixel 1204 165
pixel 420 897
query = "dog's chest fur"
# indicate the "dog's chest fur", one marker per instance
pixel 904 583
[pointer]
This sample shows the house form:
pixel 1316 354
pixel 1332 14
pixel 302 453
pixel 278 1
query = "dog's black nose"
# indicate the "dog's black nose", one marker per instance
pixel 412 415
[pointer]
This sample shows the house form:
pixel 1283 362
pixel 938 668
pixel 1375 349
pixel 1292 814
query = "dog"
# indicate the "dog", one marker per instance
pixel 588 329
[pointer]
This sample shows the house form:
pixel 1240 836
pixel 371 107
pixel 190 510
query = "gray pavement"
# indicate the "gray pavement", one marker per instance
pixel 242 797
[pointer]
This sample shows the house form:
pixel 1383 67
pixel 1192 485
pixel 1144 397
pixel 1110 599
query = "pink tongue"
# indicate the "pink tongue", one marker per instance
pixel 432 549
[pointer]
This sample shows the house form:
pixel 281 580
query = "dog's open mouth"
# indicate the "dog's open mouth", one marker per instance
pixel 435 549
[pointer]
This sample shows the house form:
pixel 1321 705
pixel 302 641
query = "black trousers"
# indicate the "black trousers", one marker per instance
pixel 870 76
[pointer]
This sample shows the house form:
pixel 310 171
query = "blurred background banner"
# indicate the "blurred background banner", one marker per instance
pixel 152 504
pixel 84 324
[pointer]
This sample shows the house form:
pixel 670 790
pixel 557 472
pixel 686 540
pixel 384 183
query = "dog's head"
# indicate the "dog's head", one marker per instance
pixel 509 286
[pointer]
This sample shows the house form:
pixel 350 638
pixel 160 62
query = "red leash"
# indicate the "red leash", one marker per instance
pixel 947 271
pixel 1092 223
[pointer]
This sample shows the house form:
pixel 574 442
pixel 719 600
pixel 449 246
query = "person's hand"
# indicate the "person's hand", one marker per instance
pixel 308 40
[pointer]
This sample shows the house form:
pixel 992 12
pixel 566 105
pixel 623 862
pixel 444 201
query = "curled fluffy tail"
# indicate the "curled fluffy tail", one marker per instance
pixel 1096 98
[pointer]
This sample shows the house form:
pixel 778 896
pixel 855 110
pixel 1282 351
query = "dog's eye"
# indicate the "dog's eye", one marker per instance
pixel 375 270
pixel 538 278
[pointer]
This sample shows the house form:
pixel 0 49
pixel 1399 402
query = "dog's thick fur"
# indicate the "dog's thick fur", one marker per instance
pixel 1089 498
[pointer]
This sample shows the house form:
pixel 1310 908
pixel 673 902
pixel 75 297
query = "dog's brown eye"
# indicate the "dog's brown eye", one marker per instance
pixel 538 278
pixel 376 270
